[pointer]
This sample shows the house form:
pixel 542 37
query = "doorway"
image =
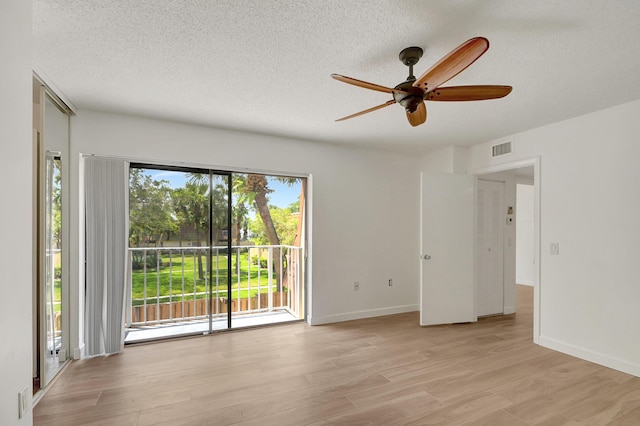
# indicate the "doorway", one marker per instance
pixel 448 269
pixel 213 250
pixel 514 173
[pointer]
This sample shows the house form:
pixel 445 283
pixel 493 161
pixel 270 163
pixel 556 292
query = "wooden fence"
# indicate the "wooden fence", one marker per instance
pixel 190 309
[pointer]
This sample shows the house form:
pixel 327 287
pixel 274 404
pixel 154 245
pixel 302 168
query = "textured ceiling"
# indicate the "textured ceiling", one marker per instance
pixel 264 66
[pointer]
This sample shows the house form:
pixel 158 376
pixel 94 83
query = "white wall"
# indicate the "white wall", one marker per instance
pixel 16 217
pixel 524 234
pixel 364 202
pixel 590 205
pixel 450 159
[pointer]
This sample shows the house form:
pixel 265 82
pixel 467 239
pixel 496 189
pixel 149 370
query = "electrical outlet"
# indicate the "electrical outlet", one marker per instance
pixel 390 282
pixel 356 286
pixel 24 403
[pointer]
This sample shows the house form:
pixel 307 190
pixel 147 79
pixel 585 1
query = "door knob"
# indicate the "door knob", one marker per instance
pixel 426 257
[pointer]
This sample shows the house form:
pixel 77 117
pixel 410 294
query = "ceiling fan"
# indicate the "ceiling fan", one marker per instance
pixel 412 93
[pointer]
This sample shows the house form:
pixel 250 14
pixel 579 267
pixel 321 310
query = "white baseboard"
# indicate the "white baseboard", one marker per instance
pixel 369 313
pixel 78 353
pixel 524 282
pixel 509 310
pixel 588 355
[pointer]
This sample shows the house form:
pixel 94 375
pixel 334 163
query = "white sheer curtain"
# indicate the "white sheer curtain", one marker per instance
pixel 107 229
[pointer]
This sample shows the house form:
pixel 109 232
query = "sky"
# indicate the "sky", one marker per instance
pixel 282 195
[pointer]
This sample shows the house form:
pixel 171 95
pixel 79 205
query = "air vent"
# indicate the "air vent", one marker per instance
pixel 501 149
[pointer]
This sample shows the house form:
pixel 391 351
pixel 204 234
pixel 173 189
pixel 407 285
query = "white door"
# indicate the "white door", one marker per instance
pixel 447 288
pixel 489 247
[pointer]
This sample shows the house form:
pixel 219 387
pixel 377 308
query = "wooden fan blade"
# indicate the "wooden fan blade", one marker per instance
pixel 452 64
pixel 365 84
pixel 467 93
pixel 391 102
pixel 419 116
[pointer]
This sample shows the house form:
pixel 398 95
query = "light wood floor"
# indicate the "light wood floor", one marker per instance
pixel 380 371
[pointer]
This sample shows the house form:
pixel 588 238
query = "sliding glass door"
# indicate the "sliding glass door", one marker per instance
pixel 201 256
pixel 219 283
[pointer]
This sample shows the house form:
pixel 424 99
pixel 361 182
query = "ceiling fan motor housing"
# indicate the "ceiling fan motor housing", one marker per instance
pixel 408 96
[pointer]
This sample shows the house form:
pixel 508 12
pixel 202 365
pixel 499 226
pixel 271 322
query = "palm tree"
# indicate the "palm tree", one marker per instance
pixel 192 209
pixel 240 200
pixel 259 186
pixel 253 188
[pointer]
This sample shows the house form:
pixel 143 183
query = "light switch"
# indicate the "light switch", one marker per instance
pixel 554 248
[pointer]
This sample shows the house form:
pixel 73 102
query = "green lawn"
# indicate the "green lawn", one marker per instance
pixel 171 279
pixel 57 283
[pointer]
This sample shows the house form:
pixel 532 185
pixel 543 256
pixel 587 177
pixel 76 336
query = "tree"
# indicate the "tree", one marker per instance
pixel 258 185
pixel 151 213
pixel 253 189
pixel 285 221
pixel 191 205
pixel 240 199
pixel 54 201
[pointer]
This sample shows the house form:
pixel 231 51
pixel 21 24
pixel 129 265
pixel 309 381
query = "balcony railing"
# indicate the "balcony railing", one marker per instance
pixel 180 284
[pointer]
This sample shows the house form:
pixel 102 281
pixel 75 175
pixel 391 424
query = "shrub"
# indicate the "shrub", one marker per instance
pixel 263 262
pixel 138 259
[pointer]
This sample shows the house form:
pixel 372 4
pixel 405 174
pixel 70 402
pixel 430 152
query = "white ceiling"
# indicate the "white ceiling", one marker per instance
pixel 264 66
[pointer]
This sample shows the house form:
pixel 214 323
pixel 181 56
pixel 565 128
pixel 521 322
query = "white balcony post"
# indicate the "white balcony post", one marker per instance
pixel 269 288
pixel 157 285
pixel 170 283
pixel 195 283
pixel 182 263
pixel 269 266
pixel 128 306
pixel 297 279
pixel 144 301
pixel 238 266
